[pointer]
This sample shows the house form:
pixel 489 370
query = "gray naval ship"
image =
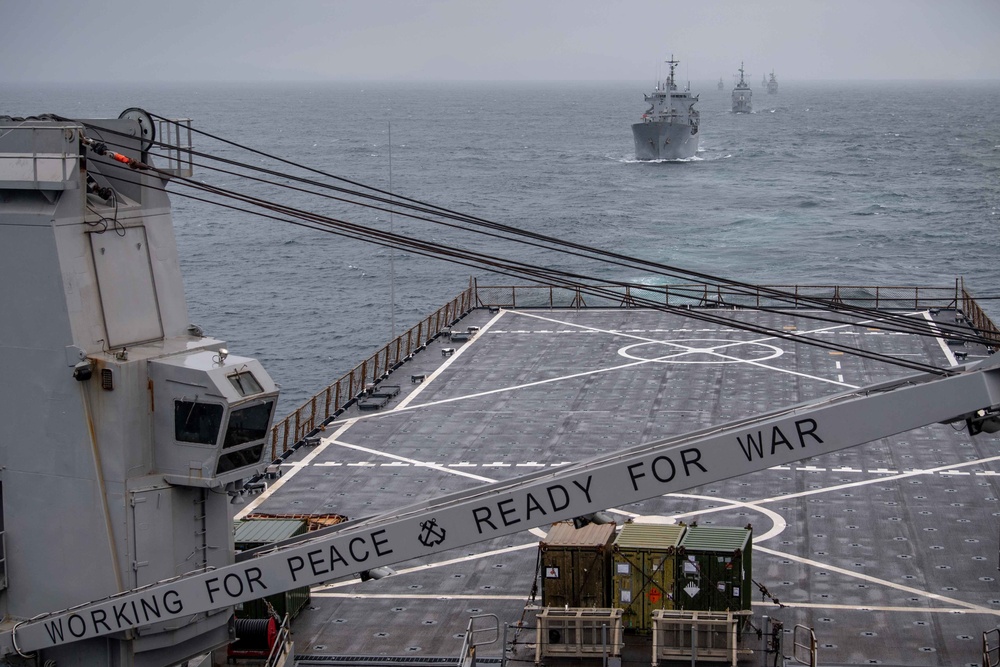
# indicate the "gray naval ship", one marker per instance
pixel 669 128
pixel 129 440
pixel 772 85
pixel 742 94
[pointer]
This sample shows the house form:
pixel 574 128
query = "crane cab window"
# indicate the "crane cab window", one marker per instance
pixel 248 424
pixel 245 383
pixel 197 422
pixel 239 459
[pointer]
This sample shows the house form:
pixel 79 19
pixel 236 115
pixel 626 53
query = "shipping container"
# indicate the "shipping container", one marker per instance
pixel 252 533
pixel 575 565
pixel 714 569
pixel 643 571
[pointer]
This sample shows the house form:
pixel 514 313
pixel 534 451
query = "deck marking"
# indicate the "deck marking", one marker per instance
pixel 583 327
pixel 559 464
pixel 903 475
pixel 404 404
pixel 451 561
pixel 810 332
pixel 420 464
pixel 941 341
pixel 448 362
pixel 713 350
pixel 854 607
pixel 755 504
pixel 875 580
pixel 778 522
pixel 480 394
pixel 304 463
pixel 414 596
pixel 685 349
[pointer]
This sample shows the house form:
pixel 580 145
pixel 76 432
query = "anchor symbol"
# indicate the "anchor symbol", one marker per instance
pixel 431 533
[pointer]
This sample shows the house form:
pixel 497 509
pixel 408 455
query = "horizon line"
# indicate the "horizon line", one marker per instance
pixel 106 82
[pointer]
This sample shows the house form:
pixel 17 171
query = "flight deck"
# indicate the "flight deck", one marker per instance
pixel 888 551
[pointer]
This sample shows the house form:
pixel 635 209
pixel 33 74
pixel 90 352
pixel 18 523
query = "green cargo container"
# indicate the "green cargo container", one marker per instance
pixel 253 533
pixel 714 569
pixel 643 572
pixel 575 565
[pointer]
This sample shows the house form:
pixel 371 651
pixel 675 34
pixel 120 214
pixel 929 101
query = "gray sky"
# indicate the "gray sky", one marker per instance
pixel 495 40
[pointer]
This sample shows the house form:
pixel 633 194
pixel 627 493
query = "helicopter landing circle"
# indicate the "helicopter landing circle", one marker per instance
pixel 701 351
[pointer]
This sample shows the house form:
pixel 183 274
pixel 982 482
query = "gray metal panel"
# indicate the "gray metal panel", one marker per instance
pixel 125 281
pixel 152 515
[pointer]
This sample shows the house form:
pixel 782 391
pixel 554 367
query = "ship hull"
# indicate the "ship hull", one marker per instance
pixel 664 141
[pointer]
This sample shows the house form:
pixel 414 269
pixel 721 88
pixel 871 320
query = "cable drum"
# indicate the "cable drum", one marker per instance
pixel 254 636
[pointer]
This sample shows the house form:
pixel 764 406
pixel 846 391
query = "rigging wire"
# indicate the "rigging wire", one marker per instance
pixel 472 219
pixel 511 268
pixel 533 273
pixel 517 269
pixel 882 319
pixel 910 325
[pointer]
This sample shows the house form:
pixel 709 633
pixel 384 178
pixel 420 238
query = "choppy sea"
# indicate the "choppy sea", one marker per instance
pixel 825 183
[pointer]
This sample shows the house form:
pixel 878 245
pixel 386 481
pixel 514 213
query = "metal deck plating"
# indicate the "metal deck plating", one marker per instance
pixel 888 550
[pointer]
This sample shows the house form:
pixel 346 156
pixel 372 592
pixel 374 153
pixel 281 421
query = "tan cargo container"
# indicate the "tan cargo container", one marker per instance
pixel 575 565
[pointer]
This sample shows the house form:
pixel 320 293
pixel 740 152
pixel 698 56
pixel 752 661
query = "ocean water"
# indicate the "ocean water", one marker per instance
pixel 825 183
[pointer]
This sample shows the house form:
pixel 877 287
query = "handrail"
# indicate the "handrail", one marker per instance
pixel 979 320
pixel 808 644
pixel 467 657
pixel 175 146
pixel 991 652
pixel 280 643
pixel 701 295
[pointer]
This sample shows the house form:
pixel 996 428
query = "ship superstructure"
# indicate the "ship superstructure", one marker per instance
pixel 669 128
pixel 129 432
pixel 772 85
pixel 742 95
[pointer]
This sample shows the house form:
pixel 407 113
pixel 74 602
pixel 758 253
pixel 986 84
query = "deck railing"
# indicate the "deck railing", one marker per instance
pixel 979 320
pixel 362 377
pixel 702 295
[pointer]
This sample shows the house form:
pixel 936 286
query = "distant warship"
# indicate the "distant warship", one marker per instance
pixel 669 128
pixel 741 95
pixel 772 85
pixel 721 84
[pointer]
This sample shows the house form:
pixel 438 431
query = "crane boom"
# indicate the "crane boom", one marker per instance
pixel 652 469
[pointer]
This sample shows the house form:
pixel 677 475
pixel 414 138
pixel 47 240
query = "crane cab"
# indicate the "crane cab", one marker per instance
pixel 212 416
